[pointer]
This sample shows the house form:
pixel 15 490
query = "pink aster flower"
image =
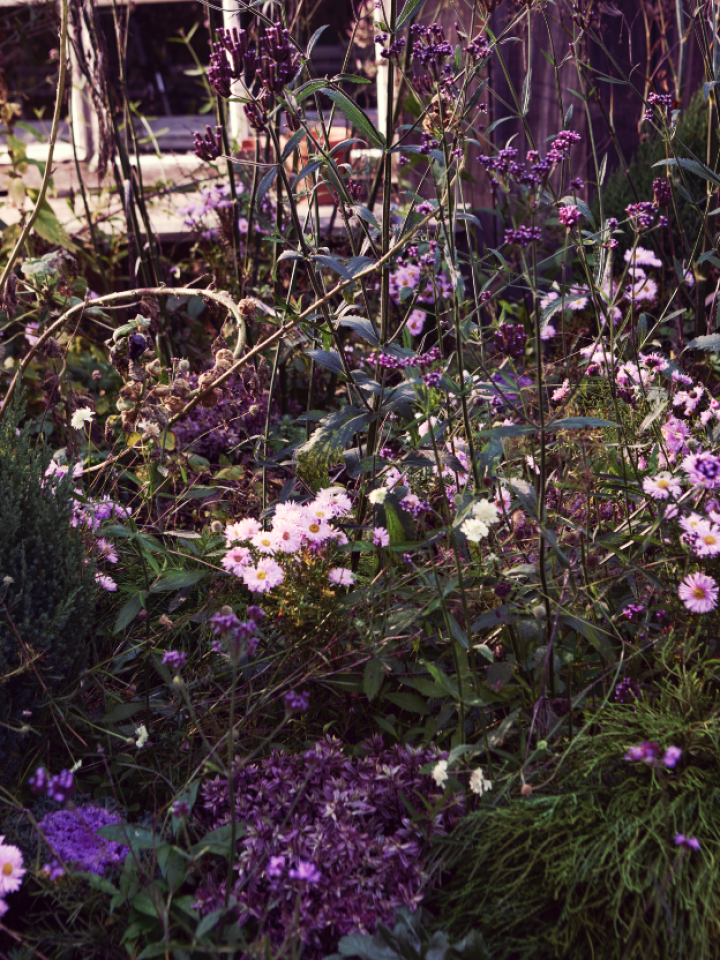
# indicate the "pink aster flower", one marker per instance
pixel 675 432
pixel 662 486
pixel 341 576
pixel 699 593
pixel 243 530
pixel 337 498
pixel 11 869
pixel 236 559
pixel 266 575
pixel 288 537
pixel 317 531
pixel 107 583
pixel 561 392
pixel 703 469
pixel 264 541
pixel 707 539
pixel 416 322
pixel 381 538
pixel 642 256
pixel 107 550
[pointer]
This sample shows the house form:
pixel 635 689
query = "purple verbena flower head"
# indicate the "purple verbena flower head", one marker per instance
pixel 175 659
pixel 72 835
pixel 297 700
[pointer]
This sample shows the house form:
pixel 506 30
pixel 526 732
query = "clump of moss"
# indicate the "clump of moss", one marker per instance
pixel 587 866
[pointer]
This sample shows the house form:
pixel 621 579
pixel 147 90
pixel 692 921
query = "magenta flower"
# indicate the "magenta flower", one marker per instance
pixel 569 216
pixel 646 752
pixel 305 871
pixel 671 757
pixel 690 843
pixel 381 537
pixel 699 593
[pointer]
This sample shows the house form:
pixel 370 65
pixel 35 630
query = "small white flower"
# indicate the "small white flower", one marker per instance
pixel 81 417
pixel 475 530
pixel 478 783
pixel 485 511
pixel 151 431
pixel 440 773
pixel 378 496
pixel 142 735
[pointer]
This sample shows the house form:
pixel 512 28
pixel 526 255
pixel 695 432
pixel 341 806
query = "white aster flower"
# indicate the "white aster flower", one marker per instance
pixel 478 783
pixel 378 496
pixel 486 511
pixel 142 735
pixel 440 773
pixel 474 529
pixel 81 417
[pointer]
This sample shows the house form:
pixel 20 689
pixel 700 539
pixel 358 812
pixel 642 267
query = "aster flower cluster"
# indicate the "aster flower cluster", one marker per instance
pixel 328 837
pixel 72 836
pixel 11 872
pixel 261 558
pixel 483 515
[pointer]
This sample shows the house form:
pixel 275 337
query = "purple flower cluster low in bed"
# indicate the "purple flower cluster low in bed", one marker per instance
pixel 331 845
pixel 73 838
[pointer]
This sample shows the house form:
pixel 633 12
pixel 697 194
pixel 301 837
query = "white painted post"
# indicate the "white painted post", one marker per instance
pixel 239 128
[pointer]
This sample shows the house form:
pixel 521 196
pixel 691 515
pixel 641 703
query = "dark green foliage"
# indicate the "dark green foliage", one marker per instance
pixel 617 194
pixel 46 605
pixel 410 940
pixel 587 865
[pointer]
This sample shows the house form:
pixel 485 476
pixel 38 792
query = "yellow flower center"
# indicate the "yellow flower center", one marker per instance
pixel 699 593
pixel 314 527
pixel 663 484
pixel 265 543
pixel 7 869
pixel 709 539
pixel 261 575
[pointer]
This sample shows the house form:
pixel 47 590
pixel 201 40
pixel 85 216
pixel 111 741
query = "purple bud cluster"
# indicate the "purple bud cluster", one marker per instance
pixel 627 691
pixel 663 192
pixel 240 635
pixel 433 51
pixel 59 788
pixel 660 99
pixel 330 847
pixel 273 63
pixel 510 340
pixel 209 147
pixel 643 213
pixel 633 609
pixel 478 48
pixel 393 50
pixel 649 752
pixel 523 236
pixel 432 378
pixel 72 836
pixel 389 362
pixel 569 216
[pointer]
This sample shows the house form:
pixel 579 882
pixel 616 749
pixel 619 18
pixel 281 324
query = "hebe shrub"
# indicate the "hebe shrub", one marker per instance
pixel 46 587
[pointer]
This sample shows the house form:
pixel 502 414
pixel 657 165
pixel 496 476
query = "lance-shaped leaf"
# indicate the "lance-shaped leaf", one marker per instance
pixel 328 442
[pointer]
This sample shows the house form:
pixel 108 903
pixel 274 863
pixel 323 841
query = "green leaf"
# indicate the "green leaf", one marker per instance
pixel 373 675
pixel 692 166
pixel 710 342
pixel 177 579
pixel 329 359
pixel 597 637
pixel 49 228
pixel 357 117
pixel 408 701
pixel 362 326
pixel 138 838
pixel 129 611
pixel 579 423
pixel 410 9
pixel 327 443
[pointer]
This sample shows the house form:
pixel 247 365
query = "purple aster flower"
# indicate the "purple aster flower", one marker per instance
pixel 690 843
pixel 671 757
